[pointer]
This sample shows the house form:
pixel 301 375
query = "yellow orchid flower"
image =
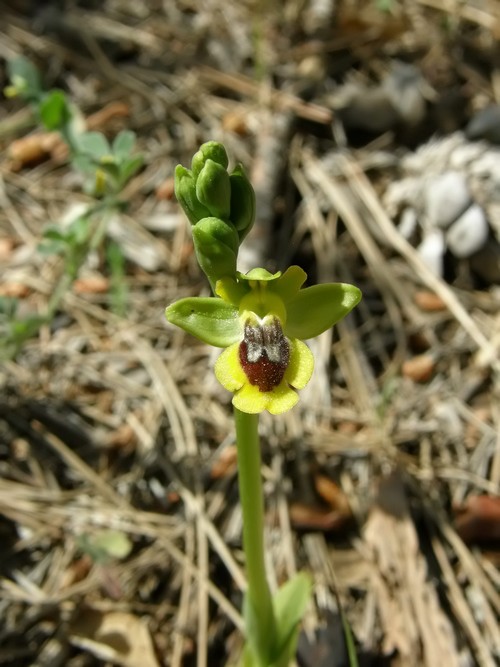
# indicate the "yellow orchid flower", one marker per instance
pixel 261 319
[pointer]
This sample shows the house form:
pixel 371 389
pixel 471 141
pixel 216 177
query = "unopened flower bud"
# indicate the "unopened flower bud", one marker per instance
pixel 211 150
pixel 216 246
pixel 213 189
pixel 242 213
pixel 185 191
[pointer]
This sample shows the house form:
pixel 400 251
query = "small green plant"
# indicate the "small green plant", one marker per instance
pixel 106 168
pixel 260 320
pixel 105 546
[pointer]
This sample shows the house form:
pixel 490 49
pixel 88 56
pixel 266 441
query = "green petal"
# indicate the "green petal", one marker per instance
pixel 289 283
pixel 315 309
pixel 210 319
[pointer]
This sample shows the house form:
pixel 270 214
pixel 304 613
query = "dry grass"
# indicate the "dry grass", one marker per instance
pixel 117 423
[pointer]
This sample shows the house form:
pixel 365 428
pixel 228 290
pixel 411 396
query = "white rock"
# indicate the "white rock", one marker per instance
pixel 445 198
pixel 469 233
pixel 431 250
pixel 408 223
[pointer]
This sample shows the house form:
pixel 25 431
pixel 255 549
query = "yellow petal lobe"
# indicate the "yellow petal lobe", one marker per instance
pixel 301 365
pixel 228 370
pixel 249 399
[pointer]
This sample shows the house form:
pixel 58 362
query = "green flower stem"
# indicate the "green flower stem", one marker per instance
pixel 252 505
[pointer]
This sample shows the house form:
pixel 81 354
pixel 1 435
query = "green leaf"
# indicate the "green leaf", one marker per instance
pixel 116 263
pixel 25 77
pixel 289 604
pixel 129 167
pixel 110 168
pixel 248 659
pixel 123 144
pixel 315 309
pixel 54 110
pixel 210 319
pixel 8 307
pixel 288 650
pixel 349 640
pixel 55 240
pixel 94 145
pixel 259 635
pixel 48 248
pixel 27 327
pixel 114 543
pixel 54 233
pixel 79 230
pixel 85 164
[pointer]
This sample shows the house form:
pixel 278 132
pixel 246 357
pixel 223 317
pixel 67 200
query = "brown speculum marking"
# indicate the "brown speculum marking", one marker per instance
pixel 264 353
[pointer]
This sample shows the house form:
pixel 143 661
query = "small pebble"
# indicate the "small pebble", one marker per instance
pixel 419 368
pixel 403 86
pixel 14 290
pixel 91 285
pixel 485 124
pixel 431 250
pixel 408 223
pixel 445 198
pixel 429 302
pixel 469 233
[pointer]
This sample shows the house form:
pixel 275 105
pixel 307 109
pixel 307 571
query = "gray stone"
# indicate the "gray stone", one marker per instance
pixel 468 233
pixel 446 197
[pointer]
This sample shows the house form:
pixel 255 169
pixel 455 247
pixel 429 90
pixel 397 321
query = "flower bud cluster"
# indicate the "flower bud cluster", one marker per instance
pixel 220 206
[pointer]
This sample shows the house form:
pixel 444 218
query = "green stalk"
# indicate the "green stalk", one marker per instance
pixel 260 619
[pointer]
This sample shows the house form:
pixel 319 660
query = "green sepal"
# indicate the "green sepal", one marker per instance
pixel 315 309
pixel 242 213
pixel 213 189
pixel 211 150
pixel 231 290
pixel 289 605
pixel 185 191
pixel 216 247
pixel 261 275
pixel 210 319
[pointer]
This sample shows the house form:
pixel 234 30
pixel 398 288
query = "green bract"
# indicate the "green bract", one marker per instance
pixel 216 247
